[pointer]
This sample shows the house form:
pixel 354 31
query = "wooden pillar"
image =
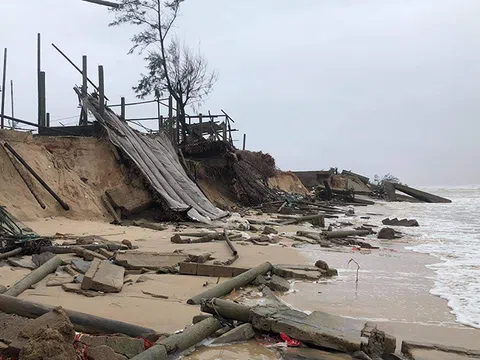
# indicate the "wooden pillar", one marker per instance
pixel 225 131
pixel 84 115
pixel 177 130
pixel 170 117
pixel 39 68
pixel 4 80
pixel 12 102
pixel 200 119
pixel 48 120
pixel 43 98
pixel 244 141
pixel 122 108
pixel 101 90
pixel 160 121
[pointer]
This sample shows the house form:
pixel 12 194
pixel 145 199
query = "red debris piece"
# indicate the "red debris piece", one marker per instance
pixel 290 342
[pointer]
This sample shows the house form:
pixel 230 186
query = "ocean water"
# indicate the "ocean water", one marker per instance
pixel 451 233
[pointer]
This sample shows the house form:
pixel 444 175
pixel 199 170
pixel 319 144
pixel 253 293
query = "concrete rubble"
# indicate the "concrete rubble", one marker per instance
pixel 103 276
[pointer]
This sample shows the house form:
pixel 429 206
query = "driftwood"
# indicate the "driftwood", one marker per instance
pixel 10 253
pixel 110 209
pixel 81 321
pixel 177 239
pixel 70 249
pixel 182 341
pixel 226 309
pixel 229 285
pixel 35 276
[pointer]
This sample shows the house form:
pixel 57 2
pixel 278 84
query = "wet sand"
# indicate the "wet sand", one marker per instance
pixel 392 290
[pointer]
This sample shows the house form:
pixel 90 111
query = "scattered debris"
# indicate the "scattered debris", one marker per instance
pixel 403 222
pixel 103 276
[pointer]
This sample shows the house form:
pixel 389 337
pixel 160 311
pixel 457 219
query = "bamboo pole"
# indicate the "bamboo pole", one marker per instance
pixel 81 321
pixel 35 276
pixel 229 285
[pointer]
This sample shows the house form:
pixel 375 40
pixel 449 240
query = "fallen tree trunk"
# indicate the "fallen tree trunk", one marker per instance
pixel 182 341
pixel 226 309
pixel 345 233
pixel 229 285
pixel 11 253
pixel 81 321
pixel 35 276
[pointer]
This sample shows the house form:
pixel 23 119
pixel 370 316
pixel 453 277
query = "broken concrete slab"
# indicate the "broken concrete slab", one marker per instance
pixel 24 262
pixel 241 333
pixel 42 258
pixel 421 195
pixel 299 272
pixel 77 289
pixel 102 352
pixel 379 344
pixel 60 280
pixel 80 265
pixel 319 328
pixel 403 222
pixel 187 268
pixel 103 276
pixel 429 351
pixel 278 283
pixel 269 230
pixel 123 345
pixel 149 260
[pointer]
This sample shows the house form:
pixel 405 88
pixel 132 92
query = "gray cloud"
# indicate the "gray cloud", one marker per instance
pixel 374 86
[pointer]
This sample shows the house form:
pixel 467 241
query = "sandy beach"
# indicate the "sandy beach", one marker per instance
pixel 392 290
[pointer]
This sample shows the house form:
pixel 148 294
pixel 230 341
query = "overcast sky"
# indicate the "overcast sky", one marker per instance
pixel 374 86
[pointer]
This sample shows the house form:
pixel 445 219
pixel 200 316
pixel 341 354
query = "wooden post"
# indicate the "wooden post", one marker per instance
pixel 3 87
pixel 177 130
pixel 84 115
pixel 160 123
pixel 244 141
pixel 39 68
pixel 122 108
pixel 200 118
pixel 225 131
pixel 48 120
pixel 101 90
pixel 12 102
pixel 43 99
pixel 170 117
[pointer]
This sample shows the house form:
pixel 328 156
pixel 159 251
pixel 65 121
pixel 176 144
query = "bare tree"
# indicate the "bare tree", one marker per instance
pixel 173 67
